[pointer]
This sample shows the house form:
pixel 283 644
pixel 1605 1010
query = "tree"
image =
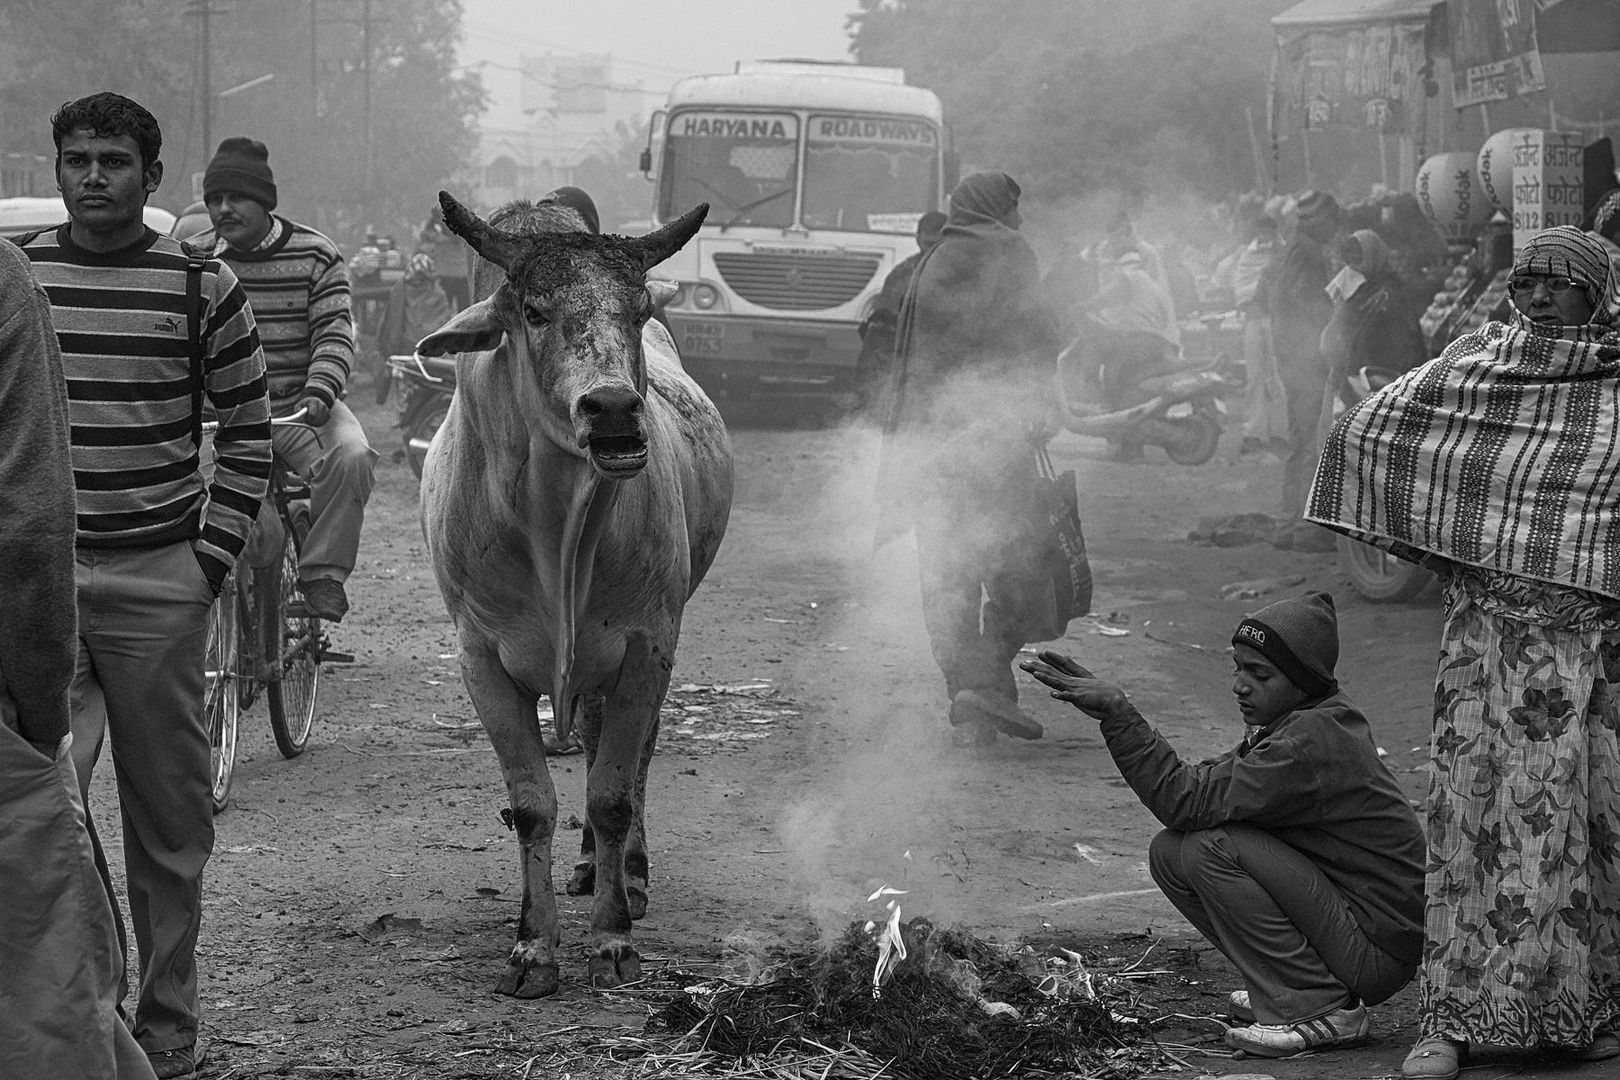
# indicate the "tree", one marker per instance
pixel 343 156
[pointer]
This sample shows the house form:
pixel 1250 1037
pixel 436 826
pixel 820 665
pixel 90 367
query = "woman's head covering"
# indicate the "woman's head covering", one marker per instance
pixel 983 198
pixel 419 267
pixel 1566 251
pixel 1374 252
pixel 1606 217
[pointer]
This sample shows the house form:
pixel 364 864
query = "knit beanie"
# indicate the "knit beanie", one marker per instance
pixel 241 165
pixel 1301 636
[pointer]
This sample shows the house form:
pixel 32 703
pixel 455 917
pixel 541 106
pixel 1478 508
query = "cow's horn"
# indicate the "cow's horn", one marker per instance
pixel 660 245
pixel 502 249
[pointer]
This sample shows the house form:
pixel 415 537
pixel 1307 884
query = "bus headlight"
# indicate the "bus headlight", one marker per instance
pixel 704 296
pixel 680 295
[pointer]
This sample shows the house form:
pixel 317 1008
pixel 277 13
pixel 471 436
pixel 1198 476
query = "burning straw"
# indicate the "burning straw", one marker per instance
pixel 959 1007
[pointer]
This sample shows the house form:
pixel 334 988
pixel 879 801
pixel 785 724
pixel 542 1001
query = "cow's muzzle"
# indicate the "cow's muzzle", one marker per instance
pixel 608 425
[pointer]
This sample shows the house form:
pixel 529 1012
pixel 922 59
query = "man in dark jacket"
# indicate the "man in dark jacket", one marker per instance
pixel 1295 853
pixel 59 958
pixel 975 374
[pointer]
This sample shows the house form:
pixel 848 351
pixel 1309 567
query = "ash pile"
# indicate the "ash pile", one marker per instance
pixel 938 1004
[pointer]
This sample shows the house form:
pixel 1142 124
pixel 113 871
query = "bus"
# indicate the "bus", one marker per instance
pixel 815 175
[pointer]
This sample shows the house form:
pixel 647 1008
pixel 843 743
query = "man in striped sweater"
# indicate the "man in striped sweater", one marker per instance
pixel 154 541
pixel 298 286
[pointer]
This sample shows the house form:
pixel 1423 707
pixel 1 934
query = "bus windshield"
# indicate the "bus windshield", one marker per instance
pixel 869 173
pixel 743 164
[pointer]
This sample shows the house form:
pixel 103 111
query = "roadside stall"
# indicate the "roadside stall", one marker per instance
pixel 1494 115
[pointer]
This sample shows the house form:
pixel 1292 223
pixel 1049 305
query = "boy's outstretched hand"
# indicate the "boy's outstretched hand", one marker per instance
pixel 1072 683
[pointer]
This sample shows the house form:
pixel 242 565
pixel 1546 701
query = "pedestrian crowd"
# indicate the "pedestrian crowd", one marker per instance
pixel 1295 853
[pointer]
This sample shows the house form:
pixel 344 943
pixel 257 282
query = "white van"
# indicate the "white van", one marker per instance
pixel 26 213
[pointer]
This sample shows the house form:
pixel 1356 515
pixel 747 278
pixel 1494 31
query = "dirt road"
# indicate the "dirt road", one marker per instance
pixel 363 897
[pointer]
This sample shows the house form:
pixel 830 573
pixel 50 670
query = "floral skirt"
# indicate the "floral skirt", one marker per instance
pixel 1522 931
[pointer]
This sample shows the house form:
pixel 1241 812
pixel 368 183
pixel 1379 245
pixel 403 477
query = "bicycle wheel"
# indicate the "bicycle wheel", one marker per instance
pixel 292 652
pixel 221 704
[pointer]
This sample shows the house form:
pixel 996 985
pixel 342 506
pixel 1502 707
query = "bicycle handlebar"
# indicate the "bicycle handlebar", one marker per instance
pixel 294 419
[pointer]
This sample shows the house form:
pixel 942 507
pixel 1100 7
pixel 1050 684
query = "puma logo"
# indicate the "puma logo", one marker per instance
pixel 169 325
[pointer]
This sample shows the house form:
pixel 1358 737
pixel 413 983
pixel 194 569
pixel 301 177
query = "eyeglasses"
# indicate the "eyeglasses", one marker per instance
pixel 1556 286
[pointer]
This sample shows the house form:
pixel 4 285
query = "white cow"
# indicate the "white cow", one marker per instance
pixel 573 499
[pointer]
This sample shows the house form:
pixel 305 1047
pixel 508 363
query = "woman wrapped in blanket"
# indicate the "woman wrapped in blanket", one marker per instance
pixel 1498 464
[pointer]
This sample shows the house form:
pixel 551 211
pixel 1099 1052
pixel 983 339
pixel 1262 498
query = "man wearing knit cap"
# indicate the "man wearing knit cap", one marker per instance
pixel 1295 853
pixel 298 287
pixel 1299 305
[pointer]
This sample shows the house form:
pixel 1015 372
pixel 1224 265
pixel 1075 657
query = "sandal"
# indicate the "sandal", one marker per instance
pixel 1435 1057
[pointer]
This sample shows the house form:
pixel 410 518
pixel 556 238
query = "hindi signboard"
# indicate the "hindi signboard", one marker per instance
pixel 1494 55
pixel 1548 171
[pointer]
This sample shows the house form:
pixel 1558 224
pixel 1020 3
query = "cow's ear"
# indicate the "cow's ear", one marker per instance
pixel 475 329
pixel 661 292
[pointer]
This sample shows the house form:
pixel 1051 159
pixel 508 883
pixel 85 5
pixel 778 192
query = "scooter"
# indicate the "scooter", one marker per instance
pixel 426 384
pixel 1375 574
pixel 1182 413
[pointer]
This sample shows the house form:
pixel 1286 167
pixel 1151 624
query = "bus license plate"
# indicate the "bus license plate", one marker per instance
pixel 702 338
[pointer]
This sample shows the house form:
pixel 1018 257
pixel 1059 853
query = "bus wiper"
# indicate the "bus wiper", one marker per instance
pixel 722 195
pixel 742 211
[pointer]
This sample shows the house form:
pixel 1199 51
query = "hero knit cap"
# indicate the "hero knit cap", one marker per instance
pixel 242 165
pixel 1301 636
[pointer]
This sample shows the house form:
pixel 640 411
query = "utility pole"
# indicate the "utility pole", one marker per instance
pixel 365 69
pixel 314 69
pixel 207 85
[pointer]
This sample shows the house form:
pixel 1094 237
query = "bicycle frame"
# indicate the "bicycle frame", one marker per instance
pixel 260 635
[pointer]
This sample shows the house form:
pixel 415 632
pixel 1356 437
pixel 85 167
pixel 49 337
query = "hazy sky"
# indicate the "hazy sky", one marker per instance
pixel 654 43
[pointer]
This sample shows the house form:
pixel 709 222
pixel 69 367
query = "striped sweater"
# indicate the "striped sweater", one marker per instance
pixel 298 286
pixel 121 320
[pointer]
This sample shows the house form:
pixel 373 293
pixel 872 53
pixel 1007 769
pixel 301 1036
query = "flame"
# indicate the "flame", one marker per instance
pixel 891 945
pixel 891 949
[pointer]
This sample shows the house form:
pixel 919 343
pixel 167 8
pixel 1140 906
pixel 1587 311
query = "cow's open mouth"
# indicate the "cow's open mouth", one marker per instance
pixel 619 453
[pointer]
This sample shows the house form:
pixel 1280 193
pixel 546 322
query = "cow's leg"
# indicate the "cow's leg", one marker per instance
pixel 610 803
pixel 507 713
pixel 582 882
pixel 636 871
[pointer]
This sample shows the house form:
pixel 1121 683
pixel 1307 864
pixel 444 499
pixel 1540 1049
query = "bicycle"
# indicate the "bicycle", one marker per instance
pixel 260 637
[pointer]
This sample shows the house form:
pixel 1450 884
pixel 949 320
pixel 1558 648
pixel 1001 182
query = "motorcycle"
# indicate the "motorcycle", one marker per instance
pixel 1375 574
pixel 426 384
pixel 1182 412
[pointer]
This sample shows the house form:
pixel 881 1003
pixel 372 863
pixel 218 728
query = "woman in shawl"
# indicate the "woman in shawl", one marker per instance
pixel 970 401
pixel 1499 465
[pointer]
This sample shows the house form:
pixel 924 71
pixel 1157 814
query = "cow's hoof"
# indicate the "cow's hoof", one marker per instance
pixel 523 980
pixel 582 882
pixel 636 893
pixel 615 965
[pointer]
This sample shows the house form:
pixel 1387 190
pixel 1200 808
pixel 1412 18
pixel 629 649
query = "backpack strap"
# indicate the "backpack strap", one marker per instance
pixel 195 261
pixel 24 239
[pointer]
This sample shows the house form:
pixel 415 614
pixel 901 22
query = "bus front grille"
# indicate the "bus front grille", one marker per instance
pixel 789 282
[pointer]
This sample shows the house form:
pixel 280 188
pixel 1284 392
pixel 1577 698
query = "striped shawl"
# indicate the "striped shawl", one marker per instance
pixel 1504 453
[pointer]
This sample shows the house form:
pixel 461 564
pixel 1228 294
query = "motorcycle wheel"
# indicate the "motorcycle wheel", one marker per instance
pixel 419 435
pixel 1195 441
pixel 1381 577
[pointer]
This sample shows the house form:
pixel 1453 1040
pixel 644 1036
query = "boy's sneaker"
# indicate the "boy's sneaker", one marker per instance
pixel 1238 1007
pixel 1337 1029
